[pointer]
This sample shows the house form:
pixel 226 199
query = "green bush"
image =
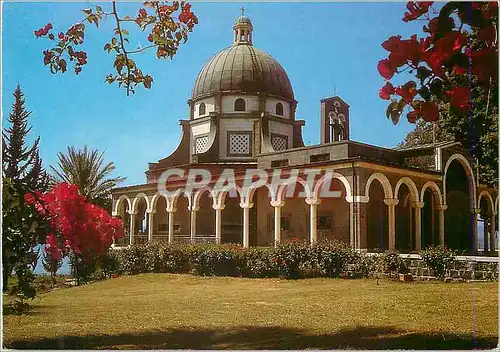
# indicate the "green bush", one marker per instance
pixel 438 258
pixel 393 264
pixel 172 258
pixel 333 257
pixel 258 262
pixel 290 256
pixel 211 259
pixel 365 266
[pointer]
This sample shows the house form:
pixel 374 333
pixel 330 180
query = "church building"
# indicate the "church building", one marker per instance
pixel 242 117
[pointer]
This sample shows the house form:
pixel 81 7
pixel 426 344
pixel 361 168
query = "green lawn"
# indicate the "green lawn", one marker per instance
pixel 152 311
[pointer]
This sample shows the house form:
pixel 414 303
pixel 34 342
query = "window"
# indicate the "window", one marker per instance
pixel 202 110
pixel 240 105
pixel 319 157
pixel 324 222
pixel 279 109
pixel 279 163
pixel 239 143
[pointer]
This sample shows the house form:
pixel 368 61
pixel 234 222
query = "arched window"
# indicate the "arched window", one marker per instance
pixel 202 110
pixel 239 105
pixel 279 109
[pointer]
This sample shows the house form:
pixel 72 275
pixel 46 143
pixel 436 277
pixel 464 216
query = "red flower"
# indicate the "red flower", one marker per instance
pixel 408 91
pixel 485 64
pixel 416 9
pixel 459 97
pixel 386 91
pixel 412 116
pixel 386 69
pixel 429 111
pixel 143 13
pixel 61 36
pixel 150 37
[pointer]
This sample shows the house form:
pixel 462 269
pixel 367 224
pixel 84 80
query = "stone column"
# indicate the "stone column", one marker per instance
pixel 171 213
pixel 492 231
pixel 132 227
pixel 277 220
pixel 313 216
pixel 193 223
pixel 391 212
pixel 360 210
pixel 441 209
pixel 246 223
pixel 474 213
pixel 486 228
pixel 418 224
pixel 218 222
pixel 150 224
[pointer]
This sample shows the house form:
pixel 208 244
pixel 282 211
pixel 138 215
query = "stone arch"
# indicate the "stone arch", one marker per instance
pixel 411 186
pixel 330 176
pixel 468 170
pixel 221 196
pixel 279 195
pixel 435 189
pixel 119 200
pixel 490 198
pixel 136 201
pixel 197 195
pixel 384 181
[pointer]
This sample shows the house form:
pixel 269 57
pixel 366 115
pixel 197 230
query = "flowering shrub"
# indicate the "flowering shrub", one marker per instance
pixel 438 258
pixel 290 256
pixel 333 257
pixel 461 41
pixel 76 225
pixel 258 262
pixel 210 259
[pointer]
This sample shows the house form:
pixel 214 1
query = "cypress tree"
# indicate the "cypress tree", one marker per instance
pixel 22 163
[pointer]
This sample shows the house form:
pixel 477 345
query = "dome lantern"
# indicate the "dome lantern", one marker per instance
pixel 243 29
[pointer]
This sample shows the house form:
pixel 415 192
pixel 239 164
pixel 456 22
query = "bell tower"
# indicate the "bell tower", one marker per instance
pixel 243 29
pixel 334 120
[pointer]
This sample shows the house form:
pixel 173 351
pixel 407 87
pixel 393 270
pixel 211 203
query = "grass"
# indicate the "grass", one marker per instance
pixel 162 311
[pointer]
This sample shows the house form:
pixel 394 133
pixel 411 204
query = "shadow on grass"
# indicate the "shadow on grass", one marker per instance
pixel 247 337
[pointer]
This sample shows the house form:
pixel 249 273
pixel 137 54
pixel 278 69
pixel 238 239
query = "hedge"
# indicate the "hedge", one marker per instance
pixel 290 260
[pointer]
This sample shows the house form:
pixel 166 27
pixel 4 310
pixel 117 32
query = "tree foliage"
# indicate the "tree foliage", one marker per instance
pixel 86 169
pixel 21 162
pixel 167 26
pixel 459 53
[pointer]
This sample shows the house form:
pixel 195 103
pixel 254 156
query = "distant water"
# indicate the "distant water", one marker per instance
pixel 64 270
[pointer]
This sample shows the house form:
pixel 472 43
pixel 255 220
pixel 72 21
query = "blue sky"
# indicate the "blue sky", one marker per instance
pixel 320 45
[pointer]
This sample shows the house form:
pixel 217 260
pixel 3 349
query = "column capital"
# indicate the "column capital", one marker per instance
pixel 391 201
pixel 357 199
pixel 151 211
pixel 194 208
pixel 313 201
pixel 418 205
pixel 246 205
pixel 218 206
pixel 277 203
pixel 114 213
pixel 476 210
pixel 495 213
pixel 171 210
pixel 132 212
pixel 441 207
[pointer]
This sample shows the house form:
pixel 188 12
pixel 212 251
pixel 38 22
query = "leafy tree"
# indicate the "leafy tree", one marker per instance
pixel 51 264
pixel 21 162
pixel 85 168
pixel 22 172
pixel 23 229
pixel 167 27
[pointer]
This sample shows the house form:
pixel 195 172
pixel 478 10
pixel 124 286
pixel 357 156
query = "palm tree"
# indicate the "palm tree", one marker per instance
pixel 85 168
